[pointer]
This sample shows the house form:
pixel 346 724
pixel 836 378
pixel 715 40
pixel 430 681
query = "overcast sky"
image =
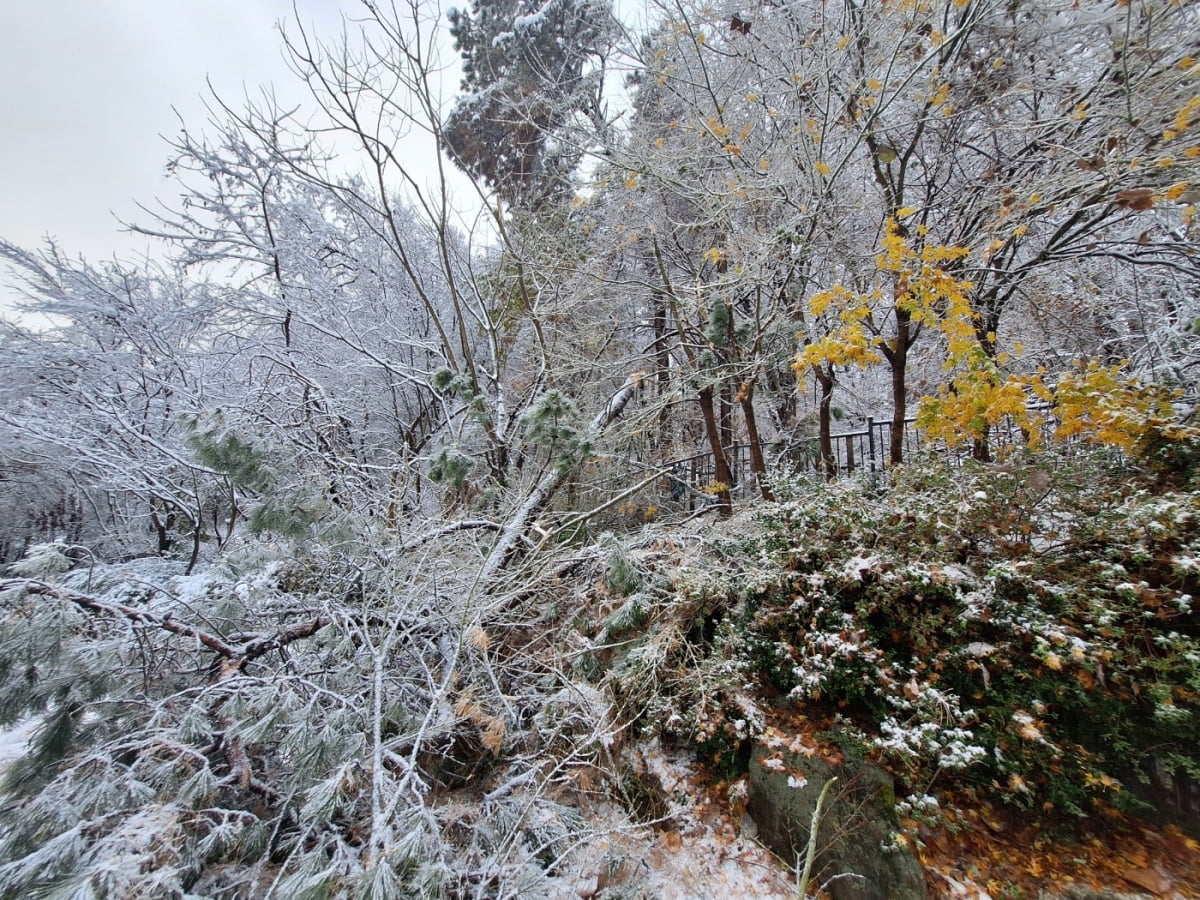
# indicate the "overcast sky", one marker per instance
pixel 88 89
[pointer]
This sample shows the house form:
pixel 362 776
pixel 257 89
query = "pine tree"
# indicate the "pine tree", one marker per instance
pixel 531 71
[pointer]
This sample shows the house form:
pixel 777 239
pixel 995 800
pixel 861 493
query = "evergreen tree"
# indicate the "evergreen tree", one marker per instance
pixel 532 71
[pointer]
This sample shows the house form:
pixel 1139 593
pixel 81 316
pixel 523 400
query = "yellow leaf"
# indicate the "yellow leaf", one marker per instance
pixel 1175 191
pixel 821 166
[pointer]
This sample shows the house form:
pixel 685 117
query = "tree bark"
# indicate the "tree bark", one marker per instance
pixel 828 462
pixel 721 474
pixel 897 357
pixel 758 465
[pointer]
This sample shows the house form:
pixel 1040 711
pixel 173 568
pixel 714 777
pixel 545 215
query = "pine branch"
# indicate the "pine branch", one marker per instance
pixel 251 646
pixel 545 489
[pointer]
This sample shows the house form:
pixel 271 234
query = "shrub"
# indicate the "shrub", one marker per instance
pixel 1027 627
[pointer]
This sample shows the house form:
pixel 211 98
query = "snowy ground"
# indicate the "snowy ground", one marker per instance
pixel 699 853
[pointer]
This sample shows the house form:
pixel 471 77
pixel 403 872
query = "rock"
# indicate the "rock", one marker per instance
pixel 1080 892
pixel 1173 796
pixel 858 855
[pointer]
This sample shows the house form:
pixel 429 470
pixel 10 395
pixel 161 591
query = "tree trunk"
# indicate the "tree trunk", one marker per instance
pixel 662 372
pixel 828 462
pixel 758 465
pixel 897 357
pixel 162 530
pixel 985 334
pixel 721 473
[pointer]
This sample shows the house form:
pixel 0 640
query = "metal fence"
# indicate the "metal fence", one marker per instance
pixel 689 482
pixel 866 448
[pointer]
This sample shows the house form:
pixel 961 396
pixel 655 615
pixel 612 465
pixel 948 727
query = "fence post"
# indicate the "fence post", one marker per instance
pixel 871 440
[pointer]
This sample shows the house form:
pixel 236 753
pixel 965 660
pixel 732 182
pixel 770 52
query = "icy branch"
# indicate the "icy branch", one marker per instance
pixel 252 647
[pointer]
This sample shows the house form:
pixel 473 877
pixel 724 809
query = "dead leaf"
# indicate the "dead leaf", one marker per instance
pixel 1149 879
pixel 1138 199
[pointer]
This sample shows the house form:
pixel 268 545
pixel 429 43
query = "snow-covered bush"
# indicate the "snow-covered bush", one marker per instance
pixel 1027 627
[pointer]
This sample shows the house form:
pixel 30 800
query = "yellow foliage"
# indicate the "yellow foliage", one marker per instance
pixel 1175 191
pixel 845 347
pixel 1101 405
pixel 922 288
pixel 976 400
pixel 1188 116
pixel 718 130
pixel 1090 401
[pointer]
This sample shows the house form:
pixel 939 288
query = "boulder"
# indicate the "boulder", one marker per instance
pixel 859 856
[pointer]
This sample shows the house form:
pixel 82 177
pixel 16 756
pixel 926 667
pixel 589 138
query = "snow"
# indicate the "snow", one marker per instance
pixel 706 853
pixel 13 741
pixel 533 20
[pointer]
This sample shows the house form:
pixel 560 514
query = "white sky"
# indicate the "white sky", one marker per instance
pixel 89 87
pixel 90 92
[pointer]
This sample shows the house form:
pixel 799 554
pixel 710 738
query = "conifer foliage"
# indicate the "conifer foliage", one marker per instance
pixel 531 71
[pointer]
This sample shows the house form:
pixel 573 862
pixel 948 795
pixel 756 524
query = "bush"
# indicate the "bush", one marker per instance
pixel 1027 627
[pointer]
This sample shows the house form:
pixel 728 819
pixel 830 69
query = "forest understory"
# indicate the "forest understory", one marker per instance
pixel 748 431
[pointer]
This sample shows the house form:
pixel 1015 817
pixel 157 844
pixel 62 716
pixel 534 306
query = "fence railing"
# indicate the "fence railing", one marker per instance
pixel 686 481
pixel 866 448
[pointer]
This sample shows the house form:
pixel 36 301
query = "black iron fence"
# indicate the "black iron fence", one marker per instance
pixel 689 482
pixel 867 448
